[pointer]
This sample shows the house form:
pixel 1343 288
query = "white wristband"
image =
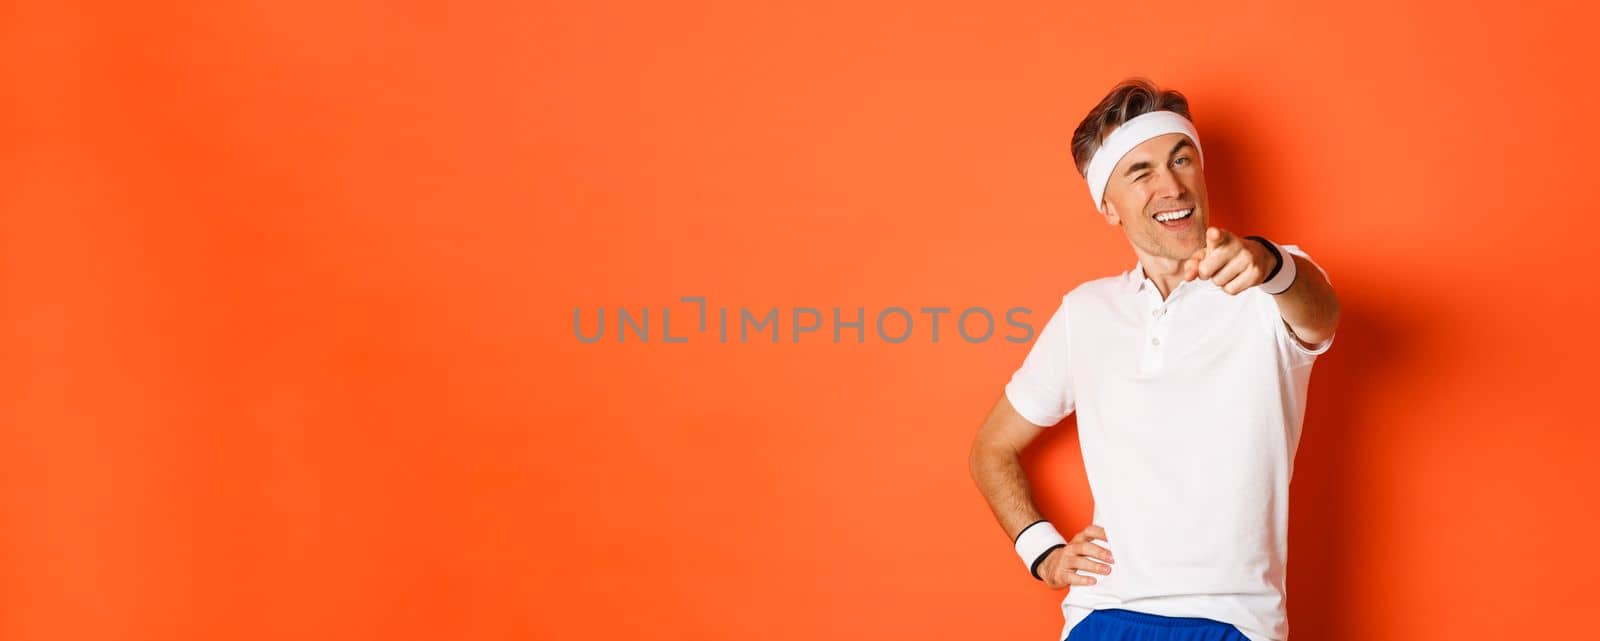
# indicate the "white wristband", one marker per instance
pixel 1281 281
pixel 1035 541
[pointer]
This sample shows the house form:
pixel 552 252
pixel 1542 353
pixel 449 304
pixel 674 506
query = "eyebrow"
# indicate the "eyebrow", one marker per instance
pixel 1145 164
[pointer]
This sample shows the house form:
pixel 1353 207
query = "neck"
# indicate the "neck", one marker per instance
pixel 1165 272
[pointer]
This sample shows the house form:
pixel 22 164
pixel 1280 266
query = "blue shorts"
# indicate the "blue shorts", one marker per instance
pixel 1127 625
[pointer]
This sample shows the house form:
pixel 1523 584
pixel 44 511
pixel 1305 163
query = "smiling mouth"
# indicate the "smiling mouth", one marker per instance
pixel 1174 215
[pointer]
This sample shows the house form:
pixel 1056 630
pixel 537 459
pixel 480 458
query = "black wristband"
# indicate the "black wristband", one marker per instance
pixel 1271 248
pixel 1034 569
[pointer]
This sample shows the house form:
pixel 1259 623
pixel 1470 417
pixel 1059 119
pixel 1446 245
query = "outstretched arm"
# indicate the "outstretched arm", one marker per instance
pixel 1309 307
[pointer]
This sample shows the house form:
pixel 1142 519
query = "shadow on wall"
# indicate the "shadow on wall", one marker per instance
pixel 1324 502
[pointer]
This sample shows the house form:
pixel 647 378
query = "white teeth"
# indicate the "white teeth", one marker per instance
pixel 1169 216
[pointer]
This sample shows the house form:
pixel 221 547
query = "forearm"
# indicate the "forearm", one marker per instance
pixel 1000 478
pixel 1309 306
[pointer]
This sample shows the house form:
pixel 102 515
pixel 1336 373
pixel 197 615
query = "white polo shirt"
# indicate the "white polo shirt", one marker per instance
pixel 1189 412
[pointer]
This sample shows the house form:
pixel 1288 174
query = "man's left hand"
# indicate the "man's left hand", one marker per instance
pixel 1233 263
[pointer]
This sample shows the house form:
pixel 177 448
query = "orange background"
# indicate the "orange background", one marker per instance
pixel 288 294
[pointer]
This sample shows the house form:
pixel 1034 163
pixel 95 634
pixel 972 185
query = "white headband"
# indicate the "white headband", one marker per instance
pixel 1130 135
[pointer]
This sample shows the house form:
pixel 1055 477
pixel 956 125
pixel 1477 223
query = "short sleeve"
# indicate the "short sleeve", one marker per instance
pixel 1041 389
pixel 1299 350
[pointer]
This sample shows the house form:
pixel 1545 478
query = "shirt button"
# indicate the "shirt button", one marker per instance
pixel 1155 341
pixel 1158 312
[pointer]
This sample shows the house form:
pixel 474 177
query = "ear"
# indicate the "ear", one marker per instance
pixel 1111 216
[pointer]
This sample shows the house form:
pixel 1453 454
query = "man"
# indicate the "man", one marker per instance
pixel 1188 374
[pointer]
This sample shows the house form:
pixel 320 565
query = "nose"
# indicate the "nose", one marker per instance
pixel 1166 185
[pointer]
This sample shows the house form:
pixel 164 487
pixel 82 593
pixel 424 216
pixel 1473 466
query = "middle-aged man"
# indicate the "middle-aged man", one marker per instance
pixel 1188 374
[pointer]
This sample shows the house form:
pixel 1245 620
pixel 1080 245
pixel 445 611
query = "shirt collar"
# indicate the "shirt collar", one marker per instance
pixel 1135 278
